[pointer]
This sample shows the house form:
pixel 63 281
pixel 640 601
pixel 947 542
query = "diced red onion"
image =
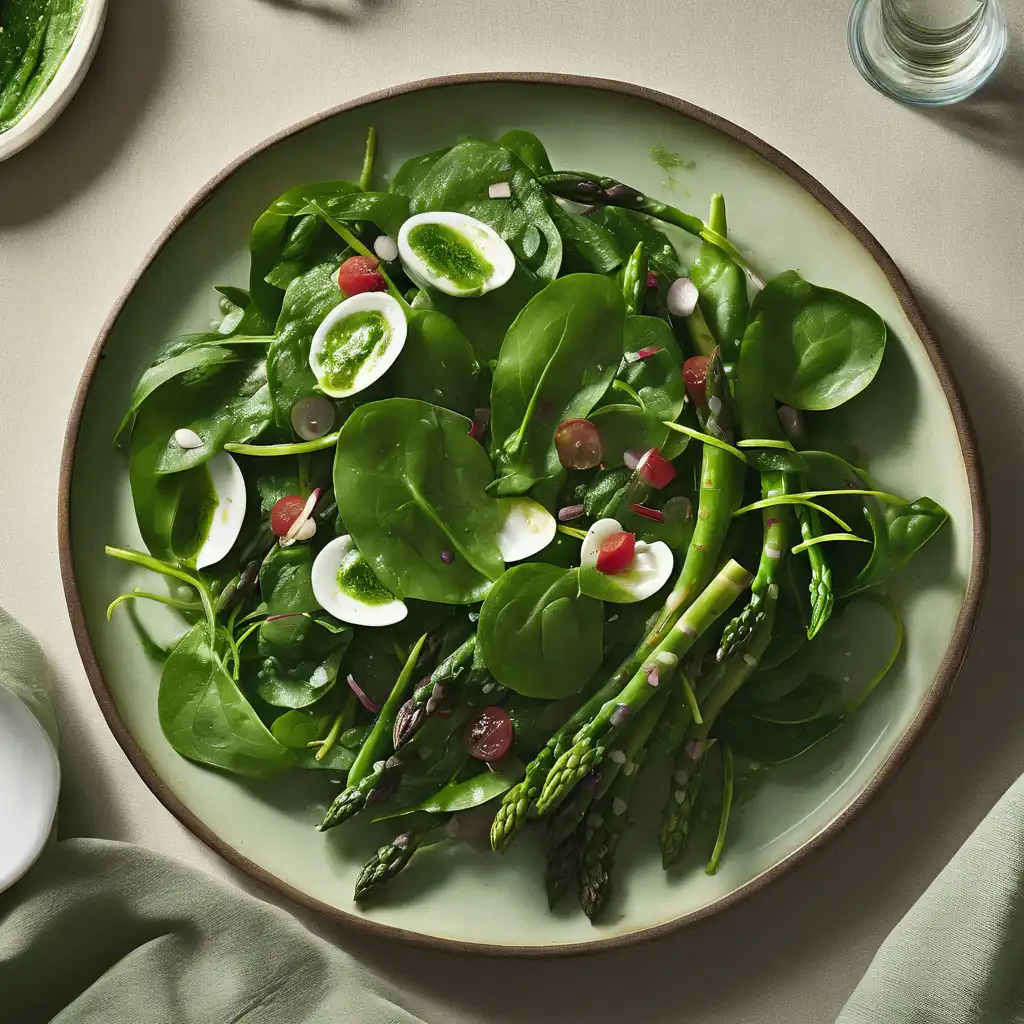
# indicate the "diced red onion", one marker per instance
pixel 631 458
pixel 476 429
pixel 649 513
pixel 570 512
pixel 359 692
pixel 652 279
pixel 682 297
pixel 650 350
pixel 656 469
pixel 499 190
pixel 447 557
pixel 287 615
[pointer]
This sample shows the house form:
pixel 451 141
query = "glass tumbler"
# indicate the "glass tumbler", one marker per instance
pixel 927 52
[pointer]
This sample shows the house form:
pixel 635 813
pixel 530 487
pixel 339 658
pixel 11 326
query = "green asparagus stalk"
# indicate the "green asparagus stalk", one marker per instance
pixel 591 742
pixel 634 281
pixel 387 862
pixel 565 837
pixel 718 689
pixel 601 191
pixel 607 820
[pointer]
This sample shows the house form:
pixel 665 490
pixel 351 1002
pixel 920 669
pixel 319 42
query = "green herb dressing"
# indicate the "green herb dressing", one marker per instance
pixel 356 579
pixel 450 255
pixel 352 345
pixel 196 509
pixel 35 36
pixel 669 161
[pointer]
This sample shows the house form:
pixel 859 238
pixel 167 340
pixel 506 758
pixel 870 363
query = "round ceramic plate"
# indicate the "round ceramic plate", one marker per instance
pixel 912 429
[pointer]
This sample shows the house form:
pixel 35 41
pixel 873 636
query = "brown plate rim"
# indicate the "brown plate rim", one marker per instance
pixel 955 653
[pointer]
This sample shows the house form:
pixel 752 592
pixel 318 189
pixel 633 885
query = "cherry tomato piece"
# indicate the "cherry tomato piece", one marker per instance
pixel 656 469
pixel 489 734
pixel 360 274
pixel 616 553
pixel 578 443
pixel 286 510
pixel 695 372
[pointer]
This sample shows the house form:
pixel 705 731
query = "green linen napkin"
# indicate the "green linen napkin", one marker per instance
pixel 958 955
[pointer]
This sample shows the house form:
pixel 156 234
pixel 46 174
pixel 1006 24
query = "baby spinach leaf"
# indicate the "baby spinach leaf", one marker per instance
pixel 387 210
pixel 898 532
pixel 287 588
pixel 556 362
pixel 407 178
pixel 586 246
pixel 824 347
pixel 309 298
pixel 205 716
pixel 410 484
pixel 529 149
pixel 485 319
pixel 459 181
pixel 723 299
pixel 289 683
pixel 538 635
pixel 630 229
pixel 296 730
pixel 267 240
pixel 437 365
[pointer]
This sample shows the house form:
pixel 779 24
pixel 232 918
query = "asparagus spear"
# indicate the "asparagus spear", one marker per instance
pixel 606 822
pixel 565 836
pixel 719 687
pixel 634 281
pixel 387 862
pixel 592 740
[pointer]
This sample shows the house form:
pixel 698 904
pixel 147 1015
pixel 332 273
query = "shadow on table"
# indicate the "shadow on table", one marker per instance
pixel 98 122
pixel 840 904
pixel 337 12
pixel 993 117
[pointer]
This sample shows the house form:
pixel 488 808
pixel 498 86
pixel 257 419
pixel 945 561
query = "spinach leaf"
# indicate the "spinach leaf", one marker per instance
pixel 407 178
pixel 459 181
pixel 309 298
pixel 205 716
pixel 437 365
pixel 556 362
pixel 898 532
pixel 233 304
pixel 723 299
pixel 268 239
pixel 289 683
pixel 287 588
pixel 387 210
pixel 586 246
pixel 485 319
pixel 296 730
pixel 538 635
pixel 824 347
pixel 528 148
pixel 410 485
pixel 469 793
pixel 630 229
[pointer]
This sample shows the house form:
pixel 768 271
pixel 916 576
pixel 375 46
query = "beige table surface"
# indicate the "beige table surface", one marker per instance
pixel 180 87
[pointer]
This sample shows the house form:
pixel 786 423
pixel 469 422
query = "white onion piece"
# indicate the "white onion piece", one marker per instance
pixel 185 437
pixel 646 575
pixel 528 527
pixel 499 190
pixel 386 248
pixel 226 522
pixel 682 297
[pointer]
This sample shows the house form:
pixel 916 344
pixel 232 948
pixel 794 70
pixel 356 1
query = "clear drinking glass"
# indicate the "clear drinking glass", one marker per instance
pixel 927 52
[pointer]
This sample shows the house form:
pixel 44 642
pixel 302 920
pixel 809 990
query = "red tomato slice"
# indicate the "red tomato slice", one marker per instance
pixel 578 443
pixel 616 553
pixel 360 274
pixel 489 734
pixel 286 510
pixel 695 372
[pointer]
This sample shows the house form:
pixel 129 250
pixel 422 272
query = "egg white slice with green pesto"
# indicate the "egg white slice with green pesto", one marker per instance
pixel 645 575
pixel 454 253
pixel 345 585
pixel 527 527
pixel 357 343
pixel 227 509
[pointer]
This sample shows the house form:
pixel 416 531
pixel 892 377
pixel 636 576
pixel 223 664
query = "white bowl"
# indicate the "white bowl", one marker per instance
pixel 58 93
pixel 29 784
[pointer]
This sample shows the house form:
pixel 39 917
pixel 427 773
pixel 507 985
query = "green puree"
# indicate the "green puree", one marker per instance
pixel 356 579
pixel 450 256
pixel 195 510
pixel 35 36
pixel 353 343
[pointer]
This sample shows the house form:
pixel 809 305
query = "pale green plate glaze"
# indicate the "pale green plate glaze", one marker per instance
pixel 911 428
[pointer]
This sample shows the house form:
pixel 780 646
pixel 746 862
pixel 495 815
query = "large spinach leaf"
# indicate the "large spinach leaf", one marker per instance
pixel 437 365
pixel 408 177
pixel 459 181
pixel 205 716
pixel 528 148
pixel 538 634
pixel 824 347
pixel 556 362
pixel 290 683
pixel 410 486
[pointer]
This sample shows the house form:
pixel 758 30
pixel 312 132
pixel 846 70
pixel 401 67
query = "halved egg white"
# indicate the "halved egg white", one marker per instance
pixel 333 347
pixel 645 575
pixel 474 242
pixel 226 523
pixel 346 586
pixel 528 527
